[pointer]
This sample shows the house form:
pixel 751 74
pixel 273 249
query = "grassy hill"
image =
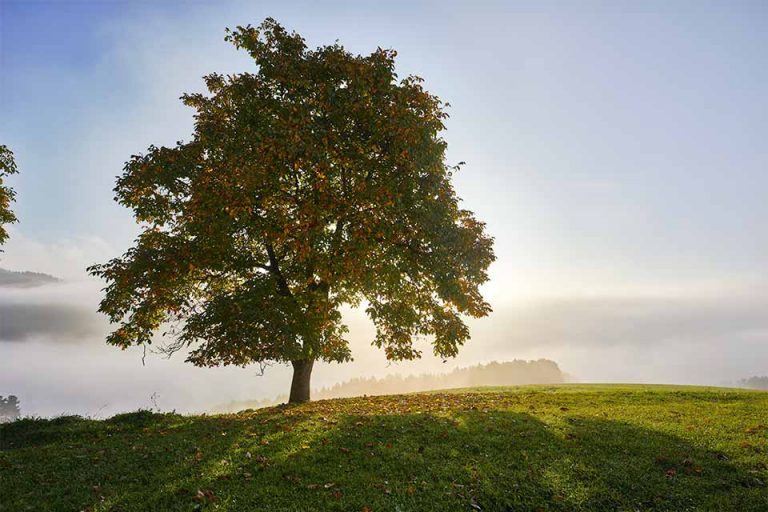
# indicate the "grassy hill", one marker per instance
pixel 506 373
pixel 569 447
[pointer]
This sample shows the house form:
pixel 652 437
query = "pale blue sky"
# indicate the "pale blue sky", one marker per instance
pixel 609 142
pixel 617 150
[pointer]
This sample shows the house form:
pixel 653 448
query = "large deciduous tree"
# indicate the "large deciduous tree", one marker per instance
pixel 317 180
pixel 7 166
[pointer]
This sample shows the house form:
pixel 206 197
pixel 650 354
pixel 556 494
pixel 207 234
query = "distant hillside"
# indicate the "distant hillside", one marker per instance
pixel 509 373
pixel 755 383
pixel 11 279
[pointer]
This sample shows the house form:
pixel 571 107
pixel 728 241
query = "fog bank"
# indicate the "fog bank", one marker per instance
pixel 53 355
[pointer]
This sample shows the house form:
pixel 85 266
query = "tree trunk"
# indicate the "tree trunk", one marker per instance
pixel 302 371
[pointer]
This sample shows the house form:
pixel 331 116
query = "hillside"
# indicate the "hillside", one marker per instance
pixel 13 279
pixel 507 373
pixel 571 447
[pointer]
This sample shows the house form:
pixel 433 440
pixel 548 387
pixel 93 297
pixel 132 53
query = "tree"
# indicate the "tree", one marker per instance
pixel 754 382
pixel 316 181
pixel 7 167
pixel 9 408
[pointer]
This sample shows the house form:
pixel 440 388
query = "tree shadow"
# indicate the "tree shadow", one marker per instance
pixel 297 459
pixel 637 468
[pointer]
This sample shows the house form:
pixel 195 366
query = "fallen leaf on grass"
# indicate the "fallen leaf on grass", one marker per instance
pixel 204 495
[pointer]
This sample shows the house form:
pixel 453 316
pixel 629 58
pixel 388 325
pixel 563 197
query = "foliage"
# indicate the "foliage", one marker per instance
pixel 755 382
pixel 9 408
pixel 555 448
pixel 317 181
pixel 7 167
pixel 509 373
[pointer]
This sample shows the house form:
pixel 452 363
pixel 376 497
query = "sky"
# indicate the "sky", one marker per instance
pixel 615 149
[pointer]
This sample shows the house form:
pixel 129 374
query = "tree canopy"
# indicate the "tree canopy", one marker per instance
pixel 7 167
pixel 317 180
pixel 9 408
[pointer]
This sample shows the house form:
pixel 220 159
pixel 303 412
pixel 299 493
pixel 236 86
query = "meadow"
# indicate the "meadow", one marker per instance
pixel 527 448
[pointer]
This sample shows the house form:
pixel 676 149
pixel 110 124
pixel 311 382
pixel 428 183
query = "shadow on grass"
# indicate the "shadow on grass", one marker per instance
pixel 283 459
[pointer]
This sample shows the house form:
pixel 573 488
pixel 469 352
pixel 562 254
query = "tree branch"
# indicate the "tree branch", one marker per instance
pixel 274 268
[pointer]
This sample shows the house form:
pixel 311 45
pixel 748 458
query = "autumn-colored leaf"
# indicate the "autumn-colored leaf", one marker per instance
pixel 204 495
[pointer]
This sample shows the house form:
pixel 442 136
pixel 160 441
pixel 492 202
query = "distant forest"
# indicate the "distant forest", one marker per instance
pixel 510 373
pixel 25 279
pixel 754 383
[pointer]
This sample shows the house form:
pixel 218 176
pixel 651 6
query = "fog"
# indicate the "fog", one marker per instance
pixel 53 355
pixel 61 317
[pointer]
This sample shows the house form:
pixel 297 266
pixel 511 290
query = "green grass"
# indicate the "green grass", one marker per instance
pixel 549 448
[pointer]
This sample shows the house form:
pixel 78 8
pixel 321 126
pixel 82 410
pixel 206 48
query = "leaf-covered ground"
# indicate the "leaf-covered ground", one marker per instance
pixel 548 448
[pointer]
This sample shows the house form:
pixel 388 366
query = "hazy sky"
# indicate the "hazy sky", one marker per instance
pixel 616 150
